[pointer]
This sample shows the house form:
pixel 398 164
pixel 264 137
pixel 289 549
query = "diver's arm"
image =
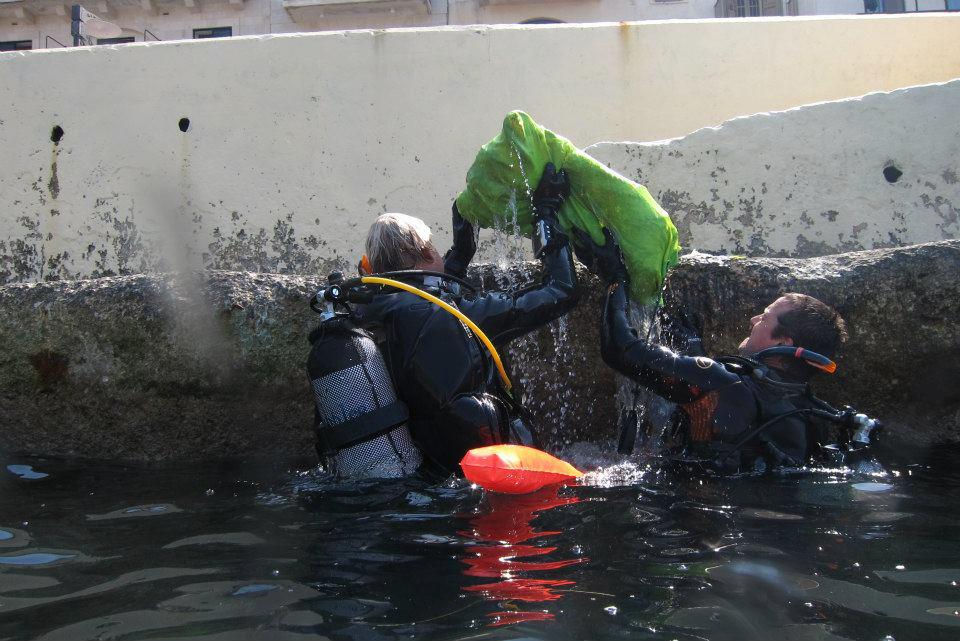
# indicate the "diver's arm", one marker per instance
pixel 458 257
pixel 504 316
pixel 680 379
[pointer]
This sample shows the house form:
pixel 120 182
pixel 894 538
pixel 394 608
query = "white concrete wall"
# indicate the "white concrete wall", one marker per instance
pixel 297 142
pixel 811 181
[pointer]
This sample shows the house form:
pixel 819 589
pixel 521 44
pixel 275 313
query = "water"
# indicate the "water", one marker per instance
pixel 95 551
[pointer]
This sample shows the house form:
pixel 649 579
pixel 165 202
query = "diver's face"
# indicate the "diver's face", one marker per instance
pixel 762 327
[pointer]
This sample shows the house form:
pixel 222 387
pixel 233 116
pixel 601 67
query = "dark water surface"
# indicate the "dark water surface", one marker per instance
pixel 241 552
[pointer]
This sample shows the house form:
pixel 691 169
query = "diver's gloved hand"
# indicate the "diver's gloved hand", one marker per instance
pixel 551 191
pixel 458 257
pixel 682 331
pixel 605 260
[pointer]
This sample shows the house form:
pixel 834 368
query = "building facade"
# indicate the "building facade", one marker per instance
pixel 39 24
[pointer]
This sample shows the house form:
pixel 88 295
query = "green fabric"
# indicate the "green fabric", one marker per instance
pixel 508 168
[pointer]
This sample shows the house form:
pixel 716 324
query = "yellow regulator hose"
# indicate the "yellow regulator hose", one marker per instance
pixel 376 280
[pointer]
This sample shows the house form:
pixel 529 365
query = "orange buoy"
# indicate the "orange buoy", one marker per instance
pixel 515 469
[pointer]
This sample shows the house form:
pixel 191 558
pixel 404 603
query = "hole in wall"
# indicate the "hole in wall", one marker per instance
pixel 184 124
pixel 56 134
pixel 892 173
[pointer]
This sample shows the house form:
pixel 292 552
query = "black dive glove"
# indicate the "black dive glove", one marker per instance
pixel 458 257
pixel 605 260
pixel 551 191
pixel 682 331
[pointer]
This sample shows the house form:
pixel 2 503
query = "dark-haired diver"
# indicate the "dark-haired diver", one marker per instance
pixel 399 379
pixel 744 413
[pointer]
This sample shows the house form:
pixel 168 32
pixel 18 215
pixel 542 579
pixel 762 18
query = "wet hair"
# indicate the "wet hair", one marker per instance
pixel 812 324
pixel 396 241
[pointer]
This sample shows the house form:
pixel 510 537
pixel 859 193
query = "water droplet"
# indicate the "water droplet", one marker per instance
pixel 275 573
pixel 856 564
pixel 953 583
pixel 210 492
pixel 808 604
pixel 611 610
pixel 900 567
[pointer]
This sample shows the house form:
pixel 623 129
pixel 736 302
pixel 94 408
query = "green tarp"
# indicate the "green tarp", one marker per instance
pixel 508 168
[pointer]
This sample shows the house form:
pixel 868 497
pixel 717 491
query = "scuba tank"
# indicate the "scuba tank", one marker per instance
pixel 360 423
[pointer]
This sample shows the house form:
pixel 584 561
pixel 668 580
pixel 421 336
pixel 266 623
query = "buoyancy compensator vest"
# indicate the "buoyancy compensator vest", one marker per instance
pixel 360 423
pixel 784 413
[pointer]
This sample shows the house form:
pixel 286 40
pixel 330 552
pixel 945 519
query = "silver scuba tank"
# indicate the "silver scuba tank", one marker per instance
pixel 360 423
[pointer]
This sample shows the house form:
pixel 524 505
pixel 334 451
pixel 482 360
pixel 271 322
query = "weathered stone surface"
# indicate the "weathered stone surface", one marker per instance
pixel 175 367
pixel 902 363
pixel 156 367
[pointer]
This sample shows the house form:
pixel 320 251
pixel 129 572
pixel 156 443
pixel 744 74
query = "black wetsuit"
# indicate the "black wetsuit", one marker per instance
pixel 722 405
pixel 442 372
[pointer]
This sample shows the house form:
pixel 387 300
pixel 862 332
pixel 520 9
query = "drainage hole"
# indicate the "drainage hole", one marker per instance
pixel 56 134
pixel 892 173
pixel 184 124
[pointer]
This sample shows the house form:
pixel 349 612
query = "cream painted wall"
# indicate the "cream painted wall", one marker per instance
pixel 811 180
pixel 297 142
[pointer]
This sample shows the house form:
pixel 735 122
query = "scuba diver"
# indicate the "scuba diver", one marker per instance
pixel 746 413
pixel 404 365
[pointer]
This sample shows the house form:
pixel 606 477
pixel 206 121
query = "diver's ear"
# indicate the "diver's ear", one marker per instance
pixel 786 340
pixel 429 253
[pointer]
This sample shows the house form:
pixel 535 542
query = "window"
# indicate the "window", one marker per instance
pixel 16 45
pixel 213 32
pixel 114 41
pixel 746 8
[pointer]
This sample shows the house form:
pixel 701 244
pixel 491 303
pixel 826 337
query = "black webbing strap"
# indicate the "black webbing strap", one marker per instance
pixel 336 437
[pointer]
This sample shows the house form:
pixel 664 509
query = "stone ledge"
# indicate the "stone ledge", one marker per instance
pixel 204 366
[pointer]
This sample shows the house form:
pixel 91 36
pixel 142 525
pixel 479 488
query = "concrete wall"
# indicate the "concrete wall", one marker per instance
pixel 295 143
pixel 864 173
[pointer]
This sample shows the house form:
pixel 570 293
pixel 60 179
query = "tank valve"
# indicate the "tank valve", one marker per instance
pixel 864 426
pixel 326 297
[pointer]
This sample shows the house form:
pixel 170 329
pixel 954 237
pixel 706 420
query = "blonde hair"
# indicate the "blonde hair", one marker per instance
pixel 396 241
